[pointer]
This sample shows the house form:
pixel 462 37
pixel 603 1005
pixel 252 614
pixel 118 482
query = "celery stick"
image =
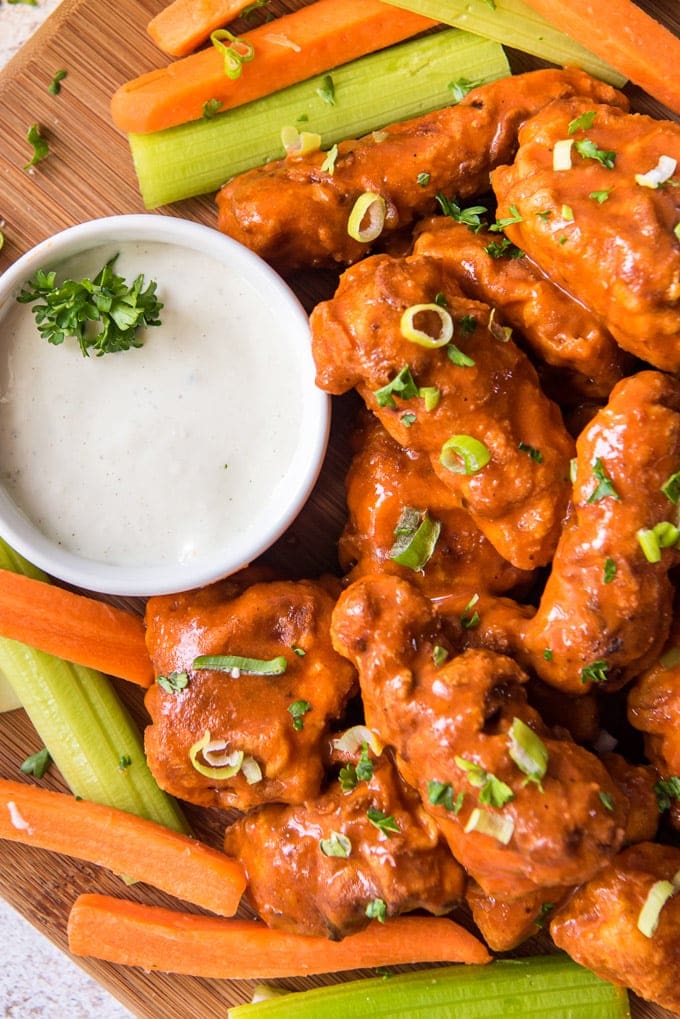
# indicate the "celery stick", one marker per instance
pixel 515 24
pixel 80 719
pixel 394 84
pixel 549 985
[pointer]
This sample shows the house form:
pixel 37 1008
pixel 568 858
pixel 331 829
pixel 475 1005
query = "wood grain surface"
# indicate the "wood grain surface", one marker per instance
pixel 89 174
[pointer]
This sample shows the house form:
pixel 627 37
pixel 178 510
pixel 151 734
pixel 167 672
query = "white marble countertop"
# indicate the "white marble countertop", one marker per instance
pixel 37 981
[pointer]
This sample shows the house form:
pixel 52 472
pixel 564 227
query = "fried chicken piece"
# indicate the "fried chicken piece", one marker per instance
pixel 606 609
pixel 383 481
pixel 637 782
pixel 324 867
pixel 450 726
pixel 548 323
pixel 490 395
pixel 506 923
pixel 294 213
pixel 598 926
pixel 280 722
pixel 654 709
pixel 594 228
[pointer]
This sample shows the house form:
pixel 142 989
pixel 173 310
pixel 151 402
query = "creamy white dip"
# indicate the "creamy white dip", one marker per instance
pixel 160 454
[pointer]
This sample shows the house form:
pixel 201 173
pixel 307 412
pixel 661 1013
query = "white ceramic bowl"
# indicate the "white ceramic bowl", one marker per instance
pixel 257 299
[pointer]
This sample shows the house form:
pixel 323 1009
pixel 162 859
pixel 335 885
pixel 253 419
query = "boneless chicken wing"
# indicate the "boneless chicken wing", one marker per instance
pixel 602 220
pixel 581 358
pixel 492 436
pixel 385 483
pixel 599 926
pixel 294 212
pixel 364 849
pixel 455 724
pixel 606 609
pixel 238 733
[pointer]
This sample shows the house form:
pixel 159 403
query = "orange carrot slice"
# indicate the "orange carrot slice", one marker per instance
pixel 123 843
pixel 291 49
pixel 626 37
pixel 74 627
pixel 155 938
pixel 183 25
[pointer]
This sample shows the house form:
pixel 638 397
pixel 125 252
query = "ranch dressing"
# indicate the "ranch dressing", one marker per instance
pixel 160 454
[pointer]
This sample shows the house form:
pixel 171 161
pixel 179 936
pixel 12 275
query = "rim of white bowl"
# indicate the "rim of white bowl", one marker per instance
pixel 142 581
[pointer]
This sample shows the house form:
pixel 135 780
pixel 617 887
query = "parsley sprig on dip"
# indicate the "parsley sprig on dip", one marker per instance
pixel 103 314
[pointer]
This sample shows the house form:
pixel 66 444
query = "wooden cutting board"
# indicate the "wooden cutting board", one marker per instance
pixel 89 174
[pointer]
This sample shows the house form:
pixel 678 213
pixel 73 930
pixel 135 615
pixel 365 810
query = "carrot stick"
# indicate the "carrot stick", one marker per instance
pixel 121 842
pixel 183 25
pixel 74 627
pixel 626 37
pixel 295 47
pixel 155 938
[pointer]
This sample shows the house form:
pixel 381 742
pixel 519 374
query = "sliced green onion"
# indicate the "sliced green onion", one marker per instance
pixel 416 537
pixel 354 738
pixel 235 664
pixel 457 357
pixel 567 213
pixel 234 50
pixel 562 154
pixel 403 385
pixel 439 655
pixel 377 910
pixel 336 844
pixel 218 764
pixel 659 174
pixel 251 770
pixel 299 143
pixel 657 896
pixel 671 488
pixel 498 826
pixel 653 539
pixel 528 751
pixel 411 332
pixel 431 395
pixel 528 988
pixel 368 207
pixel 492 791
pixel 463 454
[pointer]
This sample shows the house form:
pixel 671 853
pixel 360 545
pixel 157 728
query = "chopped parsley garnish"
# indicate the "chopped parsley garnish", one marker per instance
pixel 470 617
pixel 501 224
pixel 351 774
pixel 37 764
pixel 327 90
pixel 457 357
pixel 377 910
pixel 467 324
pixel 41 148
pixel 531 451
pixel 667 790
pixel 383 822
pixel 408 419
pixel 596 672
pixel 589 150
pixel 470 217
pixel 609 570
pixel 605 487
pixel 297 710
pixel 124 762
pixel 503 249
pixel 423 179
pixel 547 654
pixel 439 655
pixel 54 87
pixel 600 196
pixel 546 910
pixel 299 651
pixel 582 123
pixel 440 794
pixel 492 791
pixel 606 799
pixel 402 385
pixel 461 87
pixel 103 314
pixel 174 682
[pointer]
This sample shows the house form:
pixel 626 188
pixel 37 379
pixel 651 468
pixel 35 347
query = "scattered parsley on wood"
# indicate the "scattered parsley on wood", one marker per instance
pixel 54 87
pixel 37 764
pixel 41 148
pixel 103 314
pixel 211 107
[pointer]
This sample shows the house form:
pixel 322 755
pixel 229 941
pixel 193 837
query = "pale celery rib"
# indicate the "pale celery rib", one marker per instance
pixel 515 24
pixel 394 84
pixel 532 988
pixel 80 719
